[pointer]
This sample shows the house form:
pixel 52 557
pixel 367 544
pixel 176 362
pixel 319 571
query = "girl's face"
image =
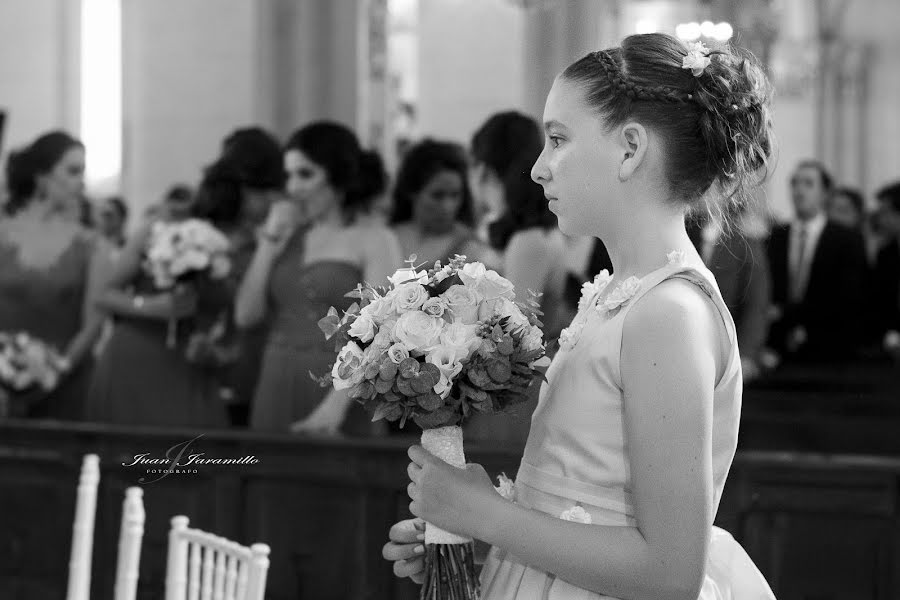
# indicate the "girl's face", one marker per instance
pixel 63 185
pixel 437 204
pixel 579 163
pixel 308 185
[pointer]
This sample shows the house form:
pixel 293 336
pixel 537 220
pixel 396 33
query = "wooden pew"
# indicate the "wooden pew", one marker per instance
pixel 819 526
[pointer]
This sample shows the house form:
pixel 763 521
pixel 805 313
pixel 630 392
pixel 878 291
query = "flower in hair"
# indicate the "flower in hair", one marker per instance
pixel 697 58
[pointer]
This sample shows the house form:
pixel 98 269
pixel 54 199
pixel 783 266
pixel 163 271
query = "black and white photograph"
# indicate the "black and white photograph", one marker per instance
pixel 449 300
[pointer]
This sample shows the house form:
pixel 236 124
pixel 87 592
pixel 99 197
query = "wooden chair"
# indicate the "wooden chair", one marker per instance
pixel 79 587
pixel 201 564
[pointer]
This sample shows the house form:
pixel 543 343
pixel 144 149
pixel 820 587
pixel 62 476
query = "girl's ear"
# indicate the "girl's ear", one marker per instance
pixel 633 140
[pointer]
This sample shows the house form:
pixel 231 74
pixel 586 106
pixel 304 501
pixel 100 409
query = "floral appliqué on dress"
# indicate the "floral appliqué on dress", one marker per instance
pixel 590 293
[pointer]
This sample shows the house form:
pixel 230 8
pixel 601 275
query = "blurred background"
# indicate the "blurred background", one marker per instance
pixel 225 112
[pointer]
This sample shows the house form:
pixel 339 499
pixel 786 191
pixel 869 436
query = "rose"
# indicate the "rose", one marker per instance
pixel 380 308
pixel 363 328
pixel 435 307
pixel 347 370
pixel 383 338
pixel 462 338
pixel 409 296
pixel 401 276
pixel 398 353
pixel 462 302
pixel 446 360
pixel 493 285
pixel 418 331
pixel 472 272
pixel 487 309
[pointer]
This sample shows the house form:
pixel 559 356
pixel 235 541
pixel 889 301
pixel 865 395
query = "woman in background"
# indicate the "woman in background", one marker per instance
pixel 52 267
pixel 433 208
pixel 140 378
pixel 312 250
pixel 236 194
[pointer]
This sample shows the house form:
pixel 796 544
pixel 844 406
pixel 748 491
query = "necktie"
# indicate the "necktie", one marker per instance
pixel 798 283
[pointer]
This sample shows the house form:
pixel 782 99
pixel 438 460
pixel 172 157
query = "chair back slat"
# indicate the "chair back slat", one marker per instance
pixel 79 585
pixel 207 585
pixel 131 533
pixel 196 562
pixel 204 566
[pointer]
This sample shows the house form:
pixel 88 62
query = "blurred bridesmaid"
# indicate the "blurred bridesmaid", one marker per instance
pixel 52 266
pixel 312 250
pixel 236 194
pixel 141 378
pixel 433 208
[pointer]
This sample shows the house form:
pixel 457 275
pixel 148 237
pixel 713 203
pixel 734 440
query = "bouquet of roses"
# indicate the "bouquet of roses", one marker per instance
pixel 436 346
pixel 26 363
pixel 185 250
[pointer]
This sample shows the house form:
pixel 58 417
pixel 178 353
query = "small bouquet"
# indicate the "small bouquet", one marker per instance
pixel 435 347
pixel 27 363
pixel 185 250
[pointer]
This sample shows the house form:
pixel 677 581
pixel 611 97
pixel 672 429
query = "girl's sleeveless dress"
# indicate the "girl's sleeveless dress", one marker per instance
pixel 575 455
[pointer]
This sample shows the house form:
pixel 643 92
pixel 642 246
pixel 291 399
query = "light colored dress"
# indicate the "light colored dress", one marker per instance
pixel 575 465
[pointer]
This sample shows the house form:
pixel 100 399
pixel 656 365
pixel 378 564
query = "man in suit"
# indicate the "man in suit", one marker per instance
pixel 818 271
pixel 886 276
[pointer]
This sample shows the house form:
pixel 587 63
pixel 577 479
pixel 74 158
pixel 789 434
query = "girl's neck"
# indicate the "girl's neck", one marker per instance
pixel 639 244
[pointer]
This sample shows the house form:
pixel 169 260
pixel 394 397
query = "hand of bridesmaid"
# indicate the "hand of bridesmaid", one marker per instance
pixel 279 226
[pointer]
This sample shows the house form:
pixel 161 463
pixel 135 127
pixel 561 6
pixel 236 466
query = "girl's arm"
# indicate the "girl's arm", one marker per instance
pixel 669 359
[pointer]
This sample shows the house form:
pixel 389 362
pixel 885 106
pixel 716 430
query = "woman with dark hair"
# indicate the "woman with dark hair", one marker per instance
pixel 52 266
pixel 534 259
pixel 312 249
pixel 637 425
pixel 499 142
pixel 246 175
pixel 433 211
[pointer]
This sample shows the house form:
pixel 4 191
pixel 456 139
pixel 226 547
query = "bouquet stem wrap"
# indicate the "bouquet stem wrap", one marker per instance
pixel 449 558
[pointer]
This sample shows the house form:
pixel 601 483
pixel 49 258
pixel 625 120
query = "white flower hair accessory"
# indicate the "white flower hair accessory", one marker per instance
pixel 697 58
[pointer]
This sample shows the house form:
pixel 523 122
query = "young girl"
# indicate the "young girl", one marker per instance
pixel 634 434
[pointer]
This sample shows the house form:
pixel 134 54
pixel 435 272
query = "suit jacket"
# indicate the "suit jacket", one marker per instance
pixel 742 271
pixel 886 289
pixel 832 309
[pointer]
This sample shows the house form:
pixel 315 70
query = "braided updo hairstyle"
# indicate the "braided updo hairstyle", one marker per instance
pixel 716 126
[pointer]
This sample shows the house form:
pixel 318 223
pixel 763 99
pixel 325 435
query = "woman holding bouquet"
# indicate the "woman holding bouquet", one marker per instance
pixel 143 376
pixel 635 431
pixel 52 267
pixel 312 250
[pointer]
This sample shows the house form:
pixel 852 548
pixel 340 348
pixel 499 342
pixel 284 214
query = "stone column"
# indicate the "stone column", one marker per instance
pixel 557 33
